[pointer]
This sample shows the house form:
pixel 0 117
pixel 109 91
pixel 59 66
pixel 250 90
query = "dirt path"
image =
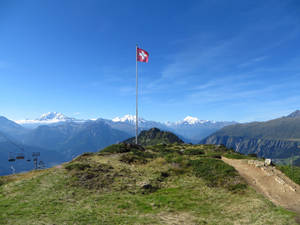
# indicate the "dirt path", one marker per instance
pixel 269 181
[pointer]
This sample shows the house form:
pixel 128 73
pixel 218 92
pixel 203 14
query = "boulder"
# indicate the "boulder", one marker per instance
pixel 268 162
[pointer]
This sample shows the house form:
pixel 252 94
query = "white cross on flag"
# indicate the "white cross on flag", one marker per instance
pixel 142 55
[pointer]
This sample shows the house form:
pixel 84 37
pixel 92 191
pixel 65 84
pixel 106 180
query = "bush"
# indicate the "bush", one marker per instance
pixel 77 166
pixel 193 151
pixel 237 188
pixel 133 159
pixel 143 154
pixel 216 156
pixel 122 148
pixel 254 155
pixel 236 156
pixel 149 188
pixel 213 154
pixel 83 157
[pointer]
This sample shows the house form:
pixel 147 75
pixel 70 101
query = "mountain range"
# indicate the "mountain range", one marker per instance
pixel 60 138
pixel 190 129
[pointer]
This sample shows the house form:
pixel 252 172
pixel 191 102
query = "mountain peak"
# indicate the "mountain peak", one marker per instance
pixel 53 116
pixel 294 114
pixel 127 118
pixel 47 119
pixel 191 120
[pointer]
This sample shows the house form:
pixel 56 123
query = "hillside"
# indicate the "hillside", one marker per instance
pixel 155 136
pixel 49 158
pixel 130 184
pixel 277 138
pixel 11 128
pixel 10 148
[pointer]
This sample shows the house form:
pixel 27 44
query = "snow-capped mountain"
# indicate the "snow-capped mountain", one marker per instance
pixel 127 119
pixel 193 120
pixel 47 119
pixel 127 124
pixel 189 120
pixel 54 117
pixel 190 129
pixel 193 129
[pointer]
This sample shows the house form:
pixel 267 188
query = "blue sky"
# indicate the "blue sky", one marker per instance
pixel 216 60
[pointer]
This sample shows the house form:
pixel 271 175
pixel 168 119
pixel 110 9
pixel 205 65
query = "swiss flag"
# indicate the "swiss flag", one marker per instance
pixel 142 55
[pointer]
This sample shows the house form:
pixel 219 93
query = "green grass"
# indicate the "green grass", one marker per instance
pixel 172 187
pixel 233 155
pixel 216 173
pixel 287 161
pixel 77 166
pixel 292 172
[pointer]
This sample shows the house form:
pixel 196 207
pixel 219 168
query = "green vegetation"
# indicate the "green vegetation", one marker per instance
pixel 234 155
pixel 216 173
pixel 292 172
pixel 77 166
pixel 155 136
pixel 130 184
pixel 287 161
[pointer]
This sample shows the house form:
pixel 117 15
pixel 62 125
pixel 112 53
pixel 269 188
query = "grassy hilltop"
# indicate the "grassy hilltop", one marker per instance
pixel 129 184
pixel 155 136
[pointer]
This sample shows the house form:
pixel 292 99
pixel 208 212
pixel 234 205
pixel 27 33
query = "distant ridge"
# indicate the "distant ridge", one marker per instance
pixel 294 114
pixel 277 138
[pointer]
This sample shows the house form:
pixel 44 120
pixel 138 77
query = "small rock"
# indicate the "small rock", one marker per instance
pixel 268 162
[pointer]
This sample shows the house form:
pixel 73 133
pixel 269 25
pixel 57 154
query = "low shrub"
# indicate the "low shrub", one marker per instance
pixel 237 188
pixel 254 155
pixel 77 166
pixel 236 156
pixel 193 151
pixel 100 176
pixel 216 156
pixel 83 157
pixel 133 159
pixel 143 154
pixel 149 188
pixel 121 148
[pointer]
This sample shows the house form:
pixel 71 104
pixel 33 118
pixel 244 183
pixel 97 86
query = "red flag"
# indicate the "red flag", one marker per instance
pixel 142 55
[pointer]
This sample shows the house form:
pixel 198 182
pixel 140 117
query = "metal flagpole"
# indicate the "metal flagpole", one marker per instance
pixel 136 98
